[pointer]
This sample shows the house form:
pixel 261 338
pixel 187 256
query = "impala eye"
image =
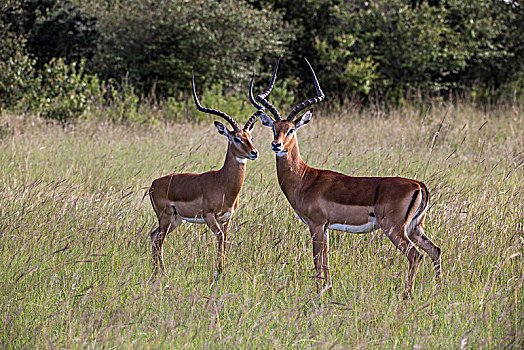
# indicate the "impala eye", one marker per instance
pixel 291 131
pixel 237 140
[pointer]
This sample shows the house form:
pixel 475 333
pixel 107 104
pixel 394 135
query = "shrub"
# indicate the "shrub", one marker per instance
pixel 66 91
pixel 53 29
pixel 396 46
pixel 403 47
pixel 123 105
pixel 351 74
pixel 17 73
pixel 159 44
pixel 59 91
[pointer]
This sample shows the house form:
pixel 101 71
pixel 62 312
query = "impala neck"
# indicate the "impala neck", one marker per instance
pixel 291 169
pixel 231 175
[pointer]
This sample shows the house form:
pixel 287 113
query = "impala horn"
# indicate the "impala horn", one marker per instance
pixel 262 97
pixel 230 120
pixel 311 101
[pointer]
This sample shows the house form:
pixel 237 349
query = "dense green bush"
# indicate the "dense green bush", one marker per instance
pixel 413 47
pixel 158 44
pixel 143 51
pixel 344 71
pixel 17 71
pixel 491 32
pixel 31 78
pixel 66 91
pixel 311 20
pixel 394 48
pixel 58 91
pixel 53 29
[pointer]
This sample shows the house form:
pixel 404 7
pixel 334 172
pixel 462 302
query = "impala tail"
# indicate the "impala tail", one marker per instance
pixel 423 207
pixel 419 211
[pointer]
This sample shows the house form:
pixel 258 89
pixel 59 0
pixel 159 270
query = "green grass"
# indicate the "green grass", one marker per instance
pixel 75 256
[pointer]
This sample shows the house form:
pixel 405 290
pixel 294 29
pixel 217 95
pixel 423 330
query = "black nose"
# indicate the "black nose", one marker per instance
pixel 277 144
pixel 254 153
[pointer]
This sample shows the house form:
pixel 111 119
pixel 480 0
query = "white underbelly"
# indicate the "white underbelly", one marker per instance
pixel 367 227
pixel 194 220
pixel 220 217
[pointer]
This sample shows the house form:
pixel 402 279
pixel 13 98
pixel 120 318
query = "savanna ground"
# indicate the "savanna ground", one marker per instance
pixel 75 256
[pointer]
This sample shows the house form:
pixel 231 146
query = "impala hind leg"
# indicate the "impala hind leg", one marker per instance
pixel 157 240
pixel 412 254
pixel 421 240
pixel 167 222
pixel 155 246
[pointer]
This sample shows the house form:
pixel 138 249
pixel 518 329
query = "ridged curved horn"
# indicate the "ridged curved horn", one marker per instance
pixel 253 102
pixel 230 120
pixel 262 97
pixel 252 120
pixel 311 101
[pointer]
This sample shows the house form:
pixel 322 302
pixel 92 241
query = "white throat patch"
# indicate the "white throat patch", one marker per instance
pixel 281 153
pixel 241 160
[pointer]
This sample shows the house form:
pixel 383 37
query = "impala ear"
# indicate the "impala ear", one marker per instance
pixel 222 130
pixel 303 120
pixel 266 120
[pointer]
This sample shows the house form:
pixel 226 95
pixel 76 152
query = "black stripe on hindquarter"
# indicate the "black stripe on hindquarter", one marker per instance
pixel 415 195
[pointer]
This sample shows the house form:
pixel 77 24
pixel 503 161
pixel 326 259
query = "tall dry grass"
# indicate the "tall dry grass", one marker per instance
pixel 75 255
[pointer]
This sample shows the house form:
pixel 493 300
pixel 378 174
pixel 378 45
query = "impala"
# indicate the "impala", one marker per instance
pixel 327 200
pixel 210 197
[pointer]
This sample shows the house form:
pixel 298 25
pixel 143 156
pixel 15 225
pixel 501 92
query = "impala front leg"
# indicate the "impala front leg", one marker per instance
pixel 325 259
pixel 213 225
pixel 224 227
pixel 320 257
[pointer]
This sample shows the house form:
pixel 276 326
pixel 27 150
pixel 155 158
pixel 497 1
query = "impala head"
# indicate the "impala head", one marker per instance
pixel 240 141
pixel 239 138
pixel 284 129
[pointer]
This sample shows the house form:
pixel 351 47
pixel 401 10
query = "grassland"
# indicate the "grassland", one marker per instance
pixel 75 255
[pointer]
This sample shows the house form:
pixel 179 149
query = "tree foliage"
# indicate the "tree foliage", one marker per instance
pixel 397 47
pixel 53 29
pixel 16 67
pixel 158 43
pixel 390 49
